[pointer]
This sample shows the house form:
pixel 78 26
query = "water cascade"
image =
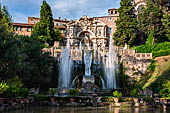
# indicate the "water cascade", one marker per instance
pixel 110 66
pixel 88 61
pixel 66 65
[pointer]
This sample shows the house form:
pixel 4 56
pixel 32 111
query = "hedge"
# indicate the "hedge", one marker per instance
pixel 153 48
pixel 161 53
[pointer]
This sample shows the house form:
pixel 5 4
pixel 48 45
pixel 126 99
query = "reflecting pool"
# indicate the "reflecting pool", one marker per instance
pixel 88 110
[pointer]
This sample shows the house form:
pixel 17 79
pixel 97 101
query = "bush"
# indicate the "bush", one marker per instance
pixel 152 48
pixel 165 91
pixel 161 53
pixel 134 92
pixel 73 92
pixel 3 87
pixel 52 91
pixel 107 99
pixel 15 88
pixel 41 98
pixel 117 94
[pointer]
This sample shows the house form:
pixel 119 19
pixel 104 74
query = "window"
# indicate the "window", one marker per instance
pixel 56 24
pixel 110 19
pixel 110 30
pixel 115 12
pixel 28 29
pixel 111 12
pixel 20 28
pixel 63 24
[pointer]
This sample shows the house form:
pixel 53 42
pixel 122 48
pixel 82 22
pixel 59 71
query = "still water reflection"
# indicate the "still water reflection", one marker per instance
pixel 89 110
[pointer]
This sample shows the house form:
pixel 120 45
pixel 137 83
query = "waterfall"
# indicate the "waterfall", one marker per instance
pixel 103 83
pixel 88 61
pixel 110 66
pixel 66 65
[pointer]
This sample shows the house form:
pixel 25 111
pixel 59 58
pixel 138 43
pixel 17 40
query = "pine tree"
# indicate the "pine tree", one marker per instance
pixel 126 24
pixel 149 20
pixel 45 28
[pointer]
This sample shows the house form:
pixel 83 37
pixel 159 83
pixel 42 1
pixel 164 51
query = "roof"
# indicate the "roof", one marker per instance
pixel 57 20
pixel 61 27
pixel 106 16
pixel 23 24
pixel 113 9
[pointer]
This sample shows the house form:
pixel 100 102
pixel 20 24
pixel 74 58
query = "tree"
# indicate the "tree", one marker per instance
pixel 7 19
pixel 45 28
pixel 166 24
pixel 1 15
pixel 126 24
pixel 149 20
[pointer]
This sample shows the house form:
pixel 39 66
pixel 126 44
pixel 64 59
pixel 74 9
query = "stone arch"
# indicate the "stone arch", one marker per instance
pixel 138 5
pixel 78 34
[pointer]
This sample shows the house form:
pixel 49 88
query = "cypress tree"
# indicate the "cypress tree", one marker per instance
pixel 45 28
pixel 126 24
pixel 7 18
pixel 149 20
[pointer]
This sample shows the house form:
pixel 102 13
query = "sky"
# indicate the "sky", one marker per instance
pixel 69 9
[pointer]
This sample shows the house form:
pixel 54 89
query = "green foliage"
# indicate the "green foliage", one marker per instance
pixel 6 19
pixel 45 28
pixel 149 20
pixel 150 39
pixel 41 97
pixel 134 92
pixel 107 99
pixel 165 91
pixel 117 94
pixel 58 34
pixel 3 87
pixel 73 92
pixel 152 66
pixel 161 53
pixel 15 88
pixel 52 91
pixel 126 24
pixel 152 48
pixel 166 24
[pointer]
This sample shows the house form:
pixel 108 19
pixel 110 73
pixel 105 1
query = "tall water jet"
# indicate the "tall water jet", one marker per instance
pixel 66 65
pixel 88 61
pixel 110 66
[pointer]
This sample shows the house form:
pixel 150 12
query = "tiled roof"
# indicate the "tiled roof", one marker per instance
pixel 23 24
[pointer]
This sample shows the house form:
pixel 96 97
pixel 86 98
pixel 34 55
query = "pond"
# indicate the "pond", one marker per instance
pixel 89 110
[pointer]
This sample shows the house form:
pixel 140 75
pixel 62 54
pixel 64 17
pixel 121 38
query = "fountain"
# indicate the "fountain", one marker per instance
pixel 110 66
pixel 66 65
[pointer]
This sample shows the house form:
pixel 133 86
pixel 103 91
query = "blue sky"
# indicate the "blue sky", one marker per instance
pixel 69 9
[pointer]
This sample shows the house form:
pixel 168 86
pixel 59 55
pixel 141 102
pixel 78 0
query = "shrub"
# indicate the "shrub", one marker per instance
pixel 152 48
pixel 41 97
pixel 117 94
pixel 52 91
pixel 161 53
pixel 107 99
pixel 165 91
pixel 3 87
pixel 73 92
pixel 134 92
pixel 15 88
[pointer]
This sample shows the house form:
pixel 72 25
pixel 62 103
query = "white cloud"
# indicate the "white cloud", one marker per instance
pixel 69 9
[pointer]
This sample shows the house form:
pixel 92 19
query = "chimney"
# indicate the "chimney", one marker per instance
pixel 65 19
pixel 59 18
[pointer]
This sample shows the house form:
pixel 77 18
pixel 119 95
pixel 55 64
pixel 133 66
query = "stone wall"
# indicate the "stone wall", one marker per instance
pixel 136 64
